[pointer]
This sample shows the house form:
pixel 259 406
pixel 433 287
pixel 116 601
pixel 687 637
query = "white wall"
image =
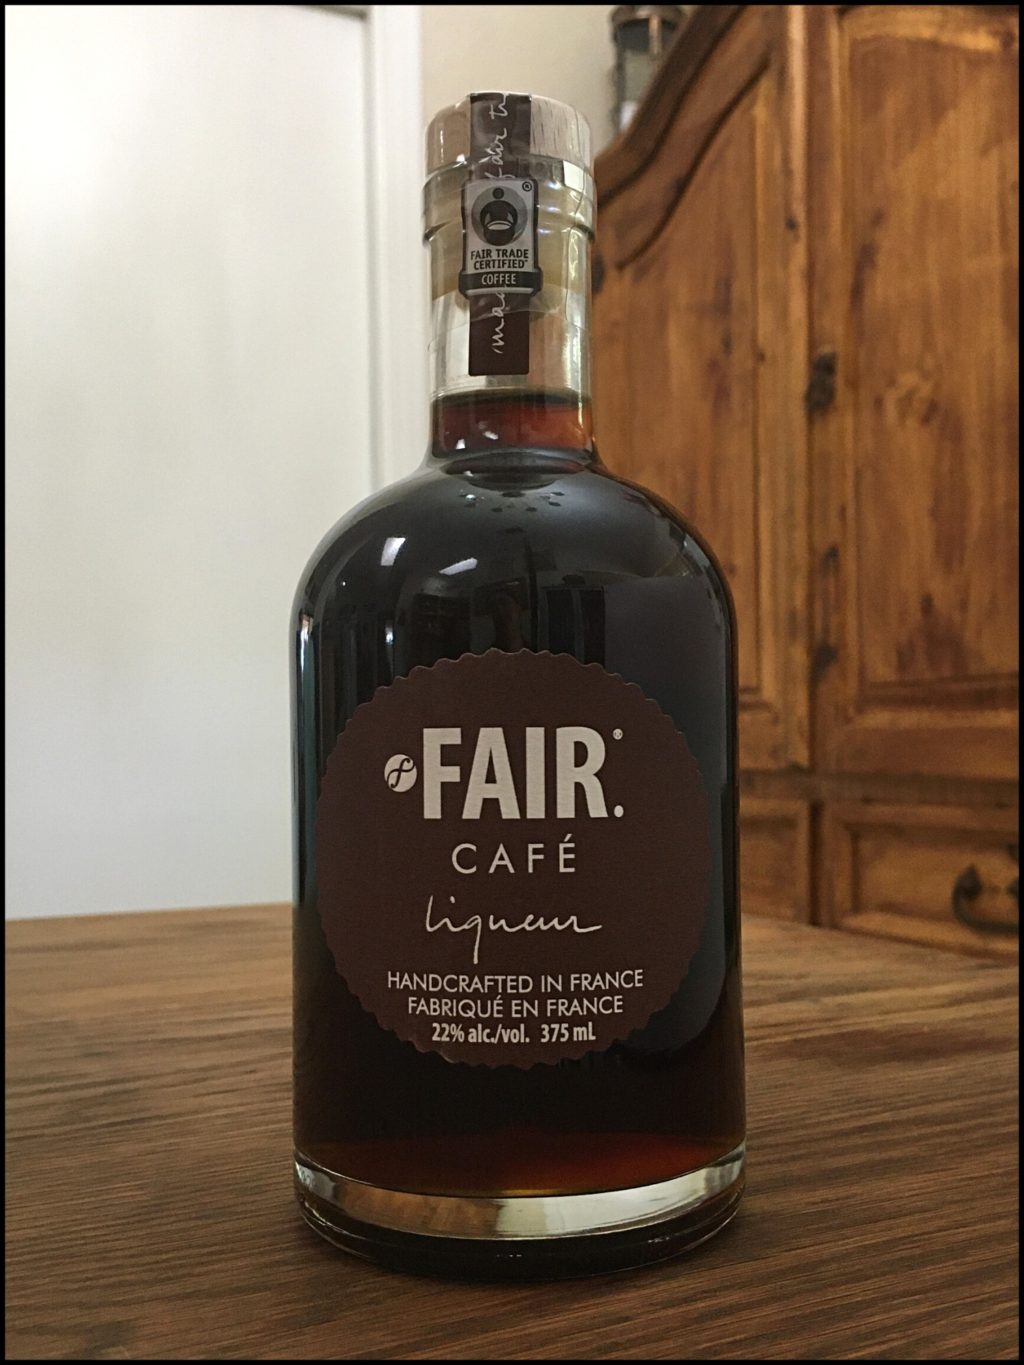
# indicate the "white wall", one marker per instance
pixel 562 51
pixel 197 337
pixel 187 413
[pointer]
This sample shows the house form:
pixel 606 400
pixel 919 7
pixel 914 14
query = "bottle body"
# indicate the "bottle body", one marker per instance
pixel 559 557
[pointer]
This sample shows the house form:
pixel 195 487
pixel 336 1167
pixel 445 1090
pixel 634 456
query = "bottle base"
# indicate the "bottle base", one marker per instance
pixel 520 1237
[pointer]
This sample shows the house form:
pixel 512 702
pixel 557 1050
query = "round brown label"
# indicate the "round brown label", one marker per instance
pixel 512 858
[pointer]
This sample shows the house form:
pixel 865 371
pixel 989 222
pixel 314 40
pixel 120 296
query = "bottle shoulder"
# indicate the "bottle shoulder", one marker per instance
pixel 461 527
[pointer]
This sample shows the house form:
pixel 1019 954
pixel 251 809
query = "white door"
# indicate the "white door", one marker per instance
pixel 191 350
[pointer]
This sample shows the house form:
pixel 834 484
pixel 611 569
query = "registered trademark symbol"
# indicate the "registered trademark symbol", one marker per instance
pixel 616 734
pixel 400 772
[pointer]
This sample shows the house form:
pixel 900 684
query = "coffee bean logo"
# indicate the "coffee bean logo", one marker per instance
pixel 500 215
pixel 400 772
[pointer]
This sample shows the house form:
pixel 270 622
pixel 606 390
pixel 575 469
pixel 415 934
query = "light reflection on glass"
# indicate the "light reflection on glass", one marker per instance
pixel 460 566
pixel 305 630
pixel 392 545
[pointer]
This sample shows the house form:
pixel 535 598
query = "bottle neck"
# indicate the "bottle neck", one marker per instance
pixel 510 367
pixel 524 420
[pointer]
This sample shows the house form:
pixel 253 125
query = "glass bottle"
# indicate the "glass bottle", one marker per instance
pixel 518 1035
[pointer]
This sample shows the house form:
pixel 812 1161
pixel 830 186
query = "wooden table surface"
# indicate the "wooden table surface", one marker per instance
pixel 149 1205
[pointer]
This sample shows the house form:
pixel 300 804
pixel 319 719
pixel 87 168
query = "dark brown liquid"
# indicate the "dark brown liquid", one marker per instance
pixel 570 560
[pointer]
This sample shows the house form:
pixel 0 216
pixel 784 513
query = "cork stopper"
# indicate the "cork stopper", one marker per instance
pixel 556 131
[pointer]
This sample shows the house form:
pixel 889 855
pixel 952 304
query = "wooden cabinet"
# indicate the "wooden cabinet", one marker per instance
pixel 806 339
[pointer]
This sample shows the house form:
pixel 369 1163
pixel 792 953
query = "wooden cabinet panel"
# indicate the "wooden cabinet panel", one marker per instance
pixel 914 232
pixel 693 440
pixel 893 870
pixel 698 317
pixel 775 859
